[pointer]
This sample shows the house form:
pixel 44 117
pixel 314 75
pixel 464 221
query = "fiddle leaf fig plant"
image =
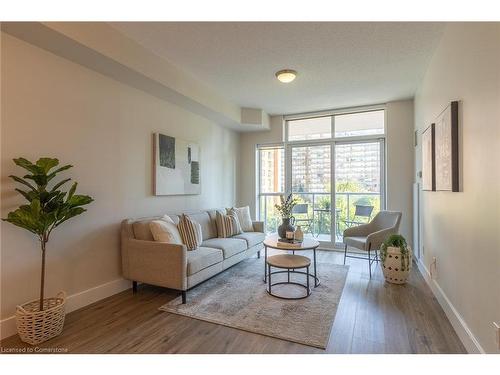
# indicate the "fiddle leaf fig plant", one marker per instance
pixel 46 207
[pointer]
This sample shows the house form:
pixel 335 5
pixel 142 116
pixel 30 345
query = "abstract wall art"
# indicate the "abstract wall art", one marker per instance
pixel 446 149
pixel 176 166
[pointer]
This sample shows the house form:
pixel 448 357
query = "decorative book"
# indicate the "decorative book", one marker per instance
pixel 288 243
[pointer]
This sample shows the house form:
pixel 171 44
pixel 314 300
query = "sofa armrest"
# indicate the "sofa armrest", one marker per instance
pixel 156 263
pixel 258 226
pixel 362 230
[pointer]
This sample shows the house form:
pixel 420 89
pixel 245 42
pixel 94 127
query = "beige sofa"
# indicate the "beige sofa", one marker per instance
pixel 172 266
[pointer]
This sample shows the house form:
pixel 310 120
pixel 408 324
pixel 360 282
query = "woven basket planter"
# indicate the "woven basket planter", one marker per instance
pixel 392 269
pixel 35 326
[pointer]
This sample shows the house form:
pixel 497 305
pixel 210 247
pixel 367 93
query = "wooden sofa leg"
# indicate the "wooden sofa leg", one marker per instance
pixel 183 293
pixel 134 287
pixel 258 254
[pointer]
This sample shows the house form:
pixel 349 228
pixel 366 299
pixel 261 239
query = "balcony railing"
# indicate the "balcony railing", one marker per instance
pixel 318 221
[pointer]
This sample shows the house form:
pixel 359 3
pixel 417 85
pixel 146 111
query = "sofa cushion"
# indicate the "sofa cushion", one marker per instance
pixel 229 246
pixel 165 231
pixel 357 242
pixel 208 228
pixel 252 238
pixel 227 225
pixel 202 258
pixel 165 227
pixel 190 232
pixel 142 231
pixel 244 217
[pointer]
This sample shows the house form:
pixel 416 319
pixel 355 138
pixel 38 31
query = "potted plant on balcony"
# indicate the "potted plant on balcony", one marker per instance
pixel 285 210
pixel 396 259
pixel 47 208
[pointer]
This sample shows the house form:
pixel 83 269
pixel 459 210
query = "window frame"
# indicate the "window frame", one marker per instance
pixel 287 146
pixel 258 184
pixel 333 113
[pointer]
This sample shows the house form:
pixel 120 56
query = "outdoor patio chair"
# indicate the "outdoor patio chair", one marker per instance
pixel 301 214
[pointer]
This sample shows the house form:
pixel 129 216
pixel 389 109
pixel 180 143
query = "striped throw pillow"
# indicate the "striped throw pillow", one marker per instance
pixel 227 225
pixel 190 232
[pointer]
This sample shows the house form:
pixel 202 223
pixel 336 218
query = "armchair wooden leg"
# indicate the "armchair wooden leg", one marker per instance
pixel 134 287
pixel 345 253
pixel 258 254
pixel 183 293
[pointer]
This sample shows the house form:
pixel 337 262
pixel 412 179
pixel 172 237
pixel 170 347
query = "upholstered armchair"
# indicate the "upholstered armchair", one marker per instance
pixel 369 237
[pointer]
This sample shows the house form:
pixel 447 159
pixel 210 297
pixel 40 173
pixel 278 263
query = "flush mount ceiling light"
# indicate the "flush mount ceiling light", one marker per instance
pixel 286 75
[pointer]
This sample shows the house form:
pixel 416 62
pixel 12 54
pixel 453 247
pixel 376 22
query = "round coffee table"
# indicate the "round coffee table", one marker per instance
pixel 307 244
pixel 288 262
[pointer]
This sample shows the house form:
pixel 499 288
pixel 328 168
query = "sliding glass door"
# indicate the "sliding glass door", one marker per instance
pixel 358 183
pixel 311 184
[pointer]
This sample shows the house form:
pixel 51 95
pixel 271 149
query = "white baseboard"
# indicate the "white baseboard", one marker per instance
pixel 464 333
pixel 74 302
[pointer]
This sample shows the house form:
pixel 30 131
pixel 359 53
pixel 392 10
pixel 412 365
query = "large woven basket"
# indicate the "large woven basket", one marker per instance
pixel 391 267
pixel 35 326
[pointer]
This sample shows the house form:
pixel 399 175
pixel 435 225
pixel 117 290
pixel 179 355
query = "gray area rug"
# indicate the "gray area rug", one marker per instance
pixel 237 298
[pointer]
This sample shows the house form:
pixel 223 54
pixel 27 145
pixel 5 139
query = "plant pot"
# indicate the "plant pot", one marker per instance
pixel 286 226
pixel 35 326
pixel 394 270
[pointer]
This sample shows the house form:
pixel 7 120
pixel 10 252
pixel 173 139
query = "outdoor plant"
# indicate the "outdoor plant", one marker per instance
pixel 397 240
pixel 286 206
pixel 46 208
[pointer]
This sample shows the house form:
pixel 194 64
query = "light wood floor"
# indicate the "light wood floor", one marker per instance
pixel 373 317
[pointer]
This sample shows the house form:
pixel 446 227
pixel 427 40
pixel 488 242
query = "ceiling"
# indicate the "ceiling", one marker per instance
pixel 339 64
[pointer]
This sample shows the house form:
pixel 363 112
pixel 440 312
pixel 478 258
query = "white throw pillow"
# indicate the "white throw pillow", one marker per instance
pixel 244 218
pixel 165 230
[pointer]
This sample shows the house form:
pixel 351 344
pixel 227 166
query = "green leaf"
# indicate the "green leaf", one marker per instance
pixel 29 166
pixel 71 213
pixel 35 208
pixel 60 170
pixel 59 184
pixel 79 200
pixel 25 219
pixel 40 179
pixel 46 164
pixel 71 191
pixel 21 181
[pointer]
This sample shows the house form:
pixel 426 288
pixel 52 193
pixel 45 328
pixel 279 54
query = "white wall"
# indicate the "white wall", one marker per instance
pixel 462 230
pixel 53 107
pixel 399 160
pixel 247 175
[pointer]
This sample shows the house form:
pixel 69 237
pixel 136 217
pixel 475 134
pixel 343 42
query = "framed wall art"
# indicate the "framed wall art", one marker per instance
pixel 446 149
pixel 176 166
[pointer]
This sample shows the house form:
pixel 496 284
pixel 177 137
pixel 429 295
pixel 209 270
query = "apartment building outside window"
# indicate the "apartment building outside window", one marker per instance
pixel 331 157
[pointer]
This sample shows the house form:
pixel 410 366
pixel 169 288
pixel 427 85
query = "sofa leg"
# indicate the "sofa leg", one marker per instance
pixel 345 253
pixel 134 287
pixel 258 254
pixel 183 293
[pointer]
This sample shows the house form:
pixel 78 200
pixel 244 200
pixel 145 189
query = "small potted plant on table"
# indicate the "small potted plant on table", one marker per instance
pixel 285 209
pixel 396 259
pixel 47 208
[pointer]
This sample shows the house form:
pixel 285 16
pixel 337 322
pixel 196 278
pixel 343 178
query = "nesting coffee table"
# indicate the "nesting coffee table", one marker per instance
pixel 290 263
